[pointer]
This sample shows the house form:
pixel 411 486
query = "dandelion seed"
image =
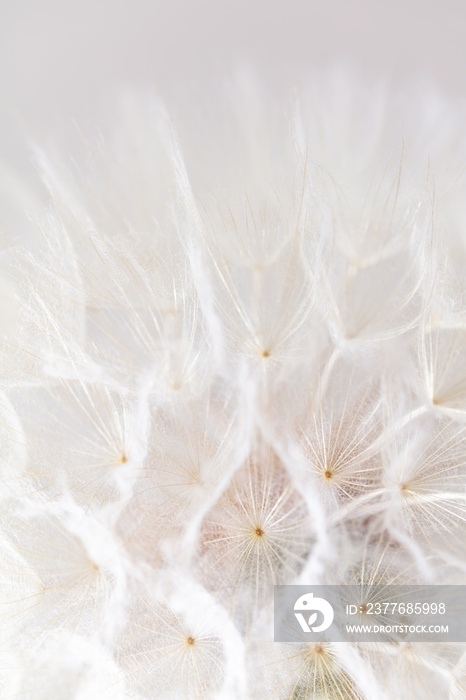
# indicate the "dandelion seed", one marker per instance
pixel 299 672
pixel 340 431
pixel 256 536
pixel 442 362
pixel 427 476
pixel 264 295
pixel 164 656
pixel 191 449
pixel 49 581
pixel 77 438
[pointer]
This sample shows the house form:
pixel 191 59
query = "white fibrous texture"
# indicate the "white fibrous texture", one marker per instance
pixel 236 359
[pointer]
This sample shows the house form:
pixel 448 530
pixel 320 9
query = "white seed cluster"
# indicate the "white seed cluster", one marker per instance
pixel 238 360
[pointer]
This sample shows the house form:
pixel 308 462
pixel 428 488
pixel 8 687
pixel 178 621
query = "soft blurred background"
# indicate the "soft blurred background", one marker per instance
pixel 62 60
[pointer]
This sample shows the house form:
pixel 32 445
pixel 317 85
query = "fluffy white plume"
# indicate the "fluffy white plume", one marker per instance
pixel 237 359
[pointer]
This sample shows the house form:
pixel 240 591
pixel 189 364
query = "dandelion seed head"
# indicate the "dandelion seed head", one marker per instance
pixel 239 363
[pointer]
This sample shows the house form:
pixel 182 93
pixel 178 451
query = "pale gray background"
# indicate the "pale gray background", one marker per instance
pixel 59 55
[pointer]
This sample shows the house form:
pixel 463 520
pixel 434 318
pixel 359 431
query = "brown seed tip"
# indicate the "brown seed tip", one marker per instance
pixel 259 531
pixel 328 474
pixel 265 353
pixel 190 641
pixel 123 459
